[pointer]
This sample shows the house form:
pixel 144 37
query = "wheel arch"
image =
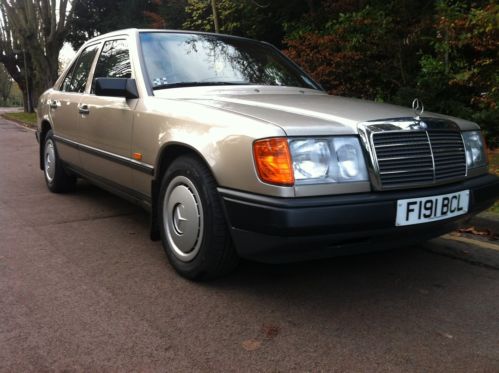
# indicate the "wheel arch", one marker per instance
pixel 167 154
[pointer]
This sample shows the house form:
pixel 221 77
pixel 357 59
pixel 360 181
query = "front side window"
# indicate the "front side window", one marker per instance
pixel 114 61
pixel 76 80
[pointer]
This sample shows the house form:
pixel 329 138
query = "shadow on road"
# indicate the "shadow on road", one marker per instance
pixel 390 272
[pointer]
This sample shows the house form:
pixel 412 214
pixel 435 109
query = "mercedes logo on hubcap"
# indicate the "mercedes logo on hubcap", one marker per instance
pixel 178 219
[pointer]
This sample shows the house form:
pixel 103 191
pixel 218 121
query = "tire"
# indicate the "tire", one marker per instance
pixel 192 224
pixel 56 177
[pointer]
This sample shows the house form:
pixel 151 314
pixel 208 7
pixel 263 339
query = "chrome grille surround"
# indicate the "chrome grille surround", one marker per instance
pixel 413 152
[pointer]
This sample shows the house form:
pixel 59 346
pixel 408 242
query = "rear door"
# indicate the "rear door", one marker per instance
pixel 106 125
pixel 64 106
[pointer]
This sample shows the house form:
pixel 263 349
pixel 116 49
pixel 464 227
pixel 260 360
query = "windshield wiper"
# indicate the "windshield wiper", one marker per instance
pixel 196 84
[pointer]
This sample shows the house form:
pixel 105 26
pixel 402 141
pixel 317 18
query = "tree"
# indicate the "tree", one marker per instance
pixel 5 86
pixel 36 29
pixel 258 19
pixel 216 19
pixel 362 49
pixel 11 55
pixel 171 12
pixel 95 17
pixel 212 15
pixel 460 74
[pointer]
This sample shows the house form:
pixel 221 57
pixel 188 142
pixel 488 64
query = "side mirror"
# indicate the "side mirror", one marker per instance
pixel 116 87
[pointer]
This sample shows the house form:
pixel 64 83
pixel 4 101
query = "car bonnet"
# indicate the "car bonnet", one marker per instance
pixel 299 112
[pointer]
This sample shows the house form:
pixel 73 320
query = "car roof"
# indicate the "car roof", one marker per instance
pixel 135 31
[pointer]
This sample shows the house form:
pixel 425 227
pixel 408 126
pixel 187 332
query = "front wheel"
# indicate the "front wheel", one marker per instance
pixel 56 177
pixel 193 228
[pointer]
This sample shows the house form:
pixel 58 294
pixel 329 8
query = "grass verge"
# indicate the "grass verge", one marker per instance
pixel 28 119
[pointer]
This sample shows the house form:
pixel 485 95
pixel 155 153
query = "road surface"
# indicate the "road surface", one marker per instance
pixel 82 288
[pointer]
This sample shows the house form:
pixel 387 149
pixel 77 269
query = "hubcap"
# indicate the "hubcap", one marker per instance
pixel 49 157
pixel 183 218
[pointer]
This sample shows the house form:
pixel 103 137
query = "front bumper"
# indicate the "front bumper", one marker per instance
pixel 273 229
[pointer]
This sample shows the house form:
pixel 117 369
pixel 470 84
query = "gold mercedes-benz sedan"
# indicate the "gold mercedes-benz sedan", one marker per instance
pixel 238 153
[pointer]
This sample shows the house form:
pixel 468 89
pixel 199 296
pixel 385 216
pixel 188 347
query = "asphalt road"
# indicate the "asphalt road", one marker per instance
pixel 82 288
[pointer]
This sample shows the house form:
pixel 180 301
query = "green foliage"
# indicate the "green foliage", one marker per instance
pixel 446 54
pixel 261 20
pixel 354 54
pixel 171 11
pixel 230 13
pixel 461 73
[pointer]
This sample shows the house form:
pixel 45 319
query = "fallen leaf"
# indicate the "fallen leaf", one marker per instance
pixel 270 331
pixel 251 345
pixel 475 231
pixel 479 232
pixel 446 335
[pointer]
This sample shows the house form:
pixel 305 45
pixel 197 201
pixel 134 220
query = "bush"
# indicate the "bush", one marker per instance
pixel 445 55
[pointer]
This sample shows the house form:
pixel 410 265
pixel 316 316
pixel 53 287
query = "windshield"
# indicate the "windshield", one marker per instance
pixel 183 60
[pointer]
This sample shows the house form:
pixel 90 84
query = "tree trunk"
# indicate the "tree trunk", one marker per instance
pixel 216 20
pixel 25 101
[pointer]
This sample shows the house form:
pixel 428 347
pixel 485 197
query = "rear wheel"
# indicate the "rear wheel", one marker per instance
pixel 193 228
pixel 56 177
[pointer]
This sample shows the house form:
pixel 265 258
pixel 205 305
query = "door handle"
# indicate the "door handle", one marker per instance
pixel 54 104
pixel 83 109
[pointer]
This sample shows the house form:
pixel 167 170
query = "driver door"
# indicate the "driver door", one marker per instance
pixel 106 122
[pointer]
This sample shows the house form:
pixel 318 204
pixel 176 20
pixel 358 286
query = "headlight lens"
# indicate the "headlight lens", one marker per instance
pixel 475 150
pixel 327 160
pixel 350 159
pixel 310 159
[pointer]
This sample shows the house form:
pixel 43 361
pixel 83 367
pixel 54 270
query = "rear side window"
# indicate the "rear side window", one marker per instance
pixel 76 80
pixel 66 84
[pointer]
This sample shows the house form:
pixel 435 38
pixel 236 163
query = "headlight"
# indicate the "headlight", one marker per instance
pixel 311 159
pixel 475 150
pixel 327 160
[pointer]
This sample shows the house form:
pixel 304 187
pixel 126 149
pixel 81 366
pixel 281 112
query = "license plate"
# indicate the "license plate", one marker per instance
pixel 428 209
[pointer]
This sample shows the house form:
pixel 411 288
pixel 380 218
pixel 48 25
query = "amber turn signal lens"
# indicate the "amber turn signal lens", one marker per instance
pixel 273 161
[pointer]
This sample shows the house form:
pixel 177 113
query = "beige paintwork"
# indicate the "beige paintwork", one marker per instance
pixel 218 123
pixel 107 127
pixel 67 115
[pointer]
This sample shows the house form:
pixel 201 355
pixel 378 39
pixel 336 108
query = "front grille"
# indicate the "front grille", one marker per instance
pixel 449 154
pixel 418 157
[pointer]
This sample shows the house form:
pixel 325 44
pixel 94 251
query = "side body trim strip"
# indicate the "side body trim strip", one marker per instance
pixel 132 163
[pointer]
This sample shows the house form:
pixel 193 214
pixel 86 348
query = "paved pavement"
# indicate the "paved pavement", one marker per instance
pixel 9 109
pixel 82 288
